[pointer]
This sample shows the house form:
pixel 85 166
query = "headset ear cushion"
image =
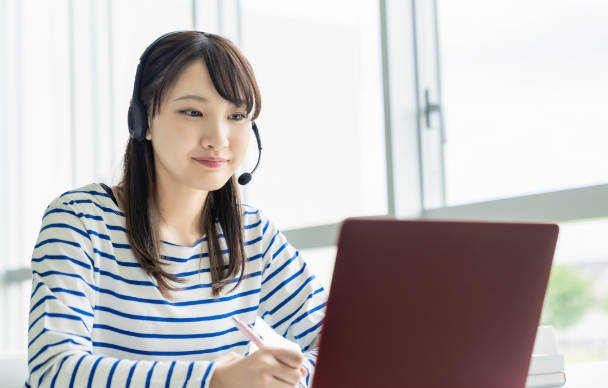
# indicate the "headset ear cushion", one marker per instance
pixel 130 120
pixel 138 121
pixel 143 121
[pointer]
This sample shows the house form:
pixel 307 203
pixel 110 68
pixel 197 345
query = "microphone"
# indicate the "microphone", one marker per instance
pixel 246 177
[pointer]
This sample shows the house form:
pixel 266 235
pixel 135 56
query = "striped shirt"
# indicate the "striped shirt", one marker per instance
pixel 97 319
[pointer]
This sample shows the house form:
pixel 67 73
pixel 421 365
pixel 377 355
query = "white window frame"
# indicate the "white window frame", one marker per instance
pixel 415 163
pixel 414 157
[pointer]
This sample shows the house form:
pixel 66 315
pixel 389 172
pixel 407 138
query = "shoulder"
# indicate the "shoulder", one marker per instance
pixel 251 215
pixel 89 201
pixel 93 192
pixel 259 228
pixel 255 220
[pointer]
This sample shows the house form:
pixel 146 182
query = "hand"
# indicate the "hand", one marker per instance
pixel 268 367
pixel 227 358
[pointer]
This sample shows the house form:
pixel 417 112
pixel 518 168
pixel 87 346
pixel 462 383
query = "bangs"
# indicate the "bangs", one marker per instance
pixel 230 72
pixel 232 75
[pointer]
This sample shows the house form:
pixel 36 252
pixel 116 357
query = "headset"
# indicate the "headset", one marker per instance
pixel 138 117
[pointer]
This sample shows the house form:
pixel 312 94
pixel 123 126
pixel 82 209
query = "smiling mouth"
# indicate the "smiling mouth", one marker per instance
pixel 211 163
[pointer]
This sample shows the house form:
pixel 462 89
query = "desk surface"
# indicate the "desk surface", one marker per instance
pixel 587 375
pixel 584 375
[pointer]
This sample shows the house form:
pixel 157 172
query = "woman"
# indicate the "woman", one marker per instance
pixel 126 292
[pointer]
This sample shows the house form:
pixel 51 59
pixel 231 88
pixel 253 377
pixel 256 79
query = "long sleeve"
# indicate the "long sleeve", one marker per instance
pixel 62 310
pixel 292 300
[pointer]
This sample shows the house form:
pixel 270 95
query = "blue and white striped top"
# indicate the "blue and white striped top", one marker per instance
pixel 97 320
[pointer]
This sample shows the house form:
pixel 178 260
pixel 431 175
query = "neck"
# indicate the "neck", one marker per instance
pixel 181 209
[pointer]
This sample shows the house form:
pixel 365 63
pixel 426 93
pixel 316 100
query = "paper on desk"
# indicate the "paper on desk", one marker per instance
pixel 546 381
pixel 547 365
pixel 273 339
pixel 546 341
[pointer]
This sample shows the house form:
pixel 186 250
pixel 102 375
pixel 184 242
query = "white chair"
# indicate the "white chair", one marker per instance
pixel 13 371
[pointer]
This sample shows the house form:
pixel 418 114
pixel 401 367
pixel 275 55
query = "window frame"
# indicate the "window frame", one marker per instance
pixel 422 195
pixel 415 190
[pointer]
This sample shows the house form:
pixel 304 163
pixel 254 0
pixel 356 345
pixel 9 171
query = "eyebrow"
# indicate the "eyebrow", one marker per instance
pixel 199 98
pixel 192 97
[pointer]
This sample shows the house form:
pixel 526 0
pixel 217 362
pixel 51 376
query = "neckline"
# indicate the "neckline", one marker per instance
pixel 110 193
pixel 202 239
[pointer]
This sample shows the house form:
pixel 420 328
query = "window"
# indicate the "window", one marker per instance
pixel 66 78
pixel 318 67
pixel 577 298
pixel 420 109
pixel 154 19
pixel 524 92
pixel 521 135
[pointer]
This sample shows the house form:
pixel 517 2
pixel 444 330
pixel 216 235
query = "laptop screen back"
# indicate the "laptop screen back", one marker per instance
pixel 434 303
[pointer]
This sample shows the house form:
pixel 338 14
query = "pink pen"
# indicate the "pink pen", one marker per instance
pixel 249 332
pixel 257 339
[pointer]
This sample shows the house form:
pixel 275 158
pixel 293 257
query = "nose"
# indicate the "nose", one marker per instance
pixel 215 136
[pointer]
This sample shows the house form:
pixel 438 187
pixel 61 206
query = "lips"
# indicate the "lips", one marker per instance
pixel 210 159
pixel 211 162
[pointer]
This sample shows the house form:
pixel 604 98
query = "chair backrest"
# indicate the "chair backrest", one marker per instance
pixel 13 371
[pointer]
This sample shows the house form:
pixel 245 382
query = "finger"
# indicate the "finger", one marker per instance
pixel 276 383
pixel 234 358
pixel 303 371
pixel 288 357
pixel 286 374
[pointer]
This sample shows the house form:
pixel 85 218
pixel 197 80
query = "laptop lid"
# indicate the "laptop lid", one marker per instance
pixel 434 303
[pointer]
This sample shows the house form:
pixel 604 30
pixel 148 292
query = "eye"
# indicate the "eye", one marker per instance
pixel 195 113
pixel 239 116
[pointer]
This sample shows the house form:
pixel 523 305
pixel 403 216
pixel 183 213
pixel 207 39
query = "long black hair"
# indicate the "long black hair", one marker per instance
pixel 233 78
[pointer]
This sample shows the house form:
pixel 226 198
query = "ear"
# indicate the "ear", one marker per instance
pixel 148 133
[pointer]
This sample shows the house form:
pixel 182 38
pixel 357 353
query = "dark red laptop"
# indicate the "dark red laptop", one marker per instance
pixel 434 304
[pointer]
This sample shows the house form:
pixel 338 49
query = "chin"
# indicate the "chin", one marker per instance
pixel 209 183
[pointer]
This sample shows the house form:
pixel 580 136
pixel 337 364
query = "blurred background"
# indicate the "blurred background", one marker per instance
pixel 416 109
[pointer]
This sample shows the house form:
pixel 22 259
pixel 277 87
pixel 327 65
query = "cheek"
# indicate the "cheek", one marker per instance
pixel 239 145
pixel 173 143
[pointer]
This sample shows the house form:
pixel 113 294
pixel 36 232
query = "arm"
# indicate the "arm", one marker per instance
pixel 292 300
pixel 62 311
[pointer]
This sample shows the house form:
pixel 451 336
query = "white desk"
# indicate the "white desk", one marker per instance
pixel 13 372
pixel 587 375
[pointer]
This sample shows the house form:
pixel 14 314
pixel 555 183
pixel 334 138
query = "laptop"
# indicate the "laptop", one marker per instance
pixel 434 303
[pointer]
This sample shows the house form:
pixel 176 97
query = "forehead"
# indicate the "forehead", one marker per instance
pixel 194 79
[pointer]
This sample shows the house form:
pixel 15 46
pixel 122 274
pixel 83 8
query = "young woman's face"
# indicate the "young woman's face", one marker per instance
pixel 196 123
